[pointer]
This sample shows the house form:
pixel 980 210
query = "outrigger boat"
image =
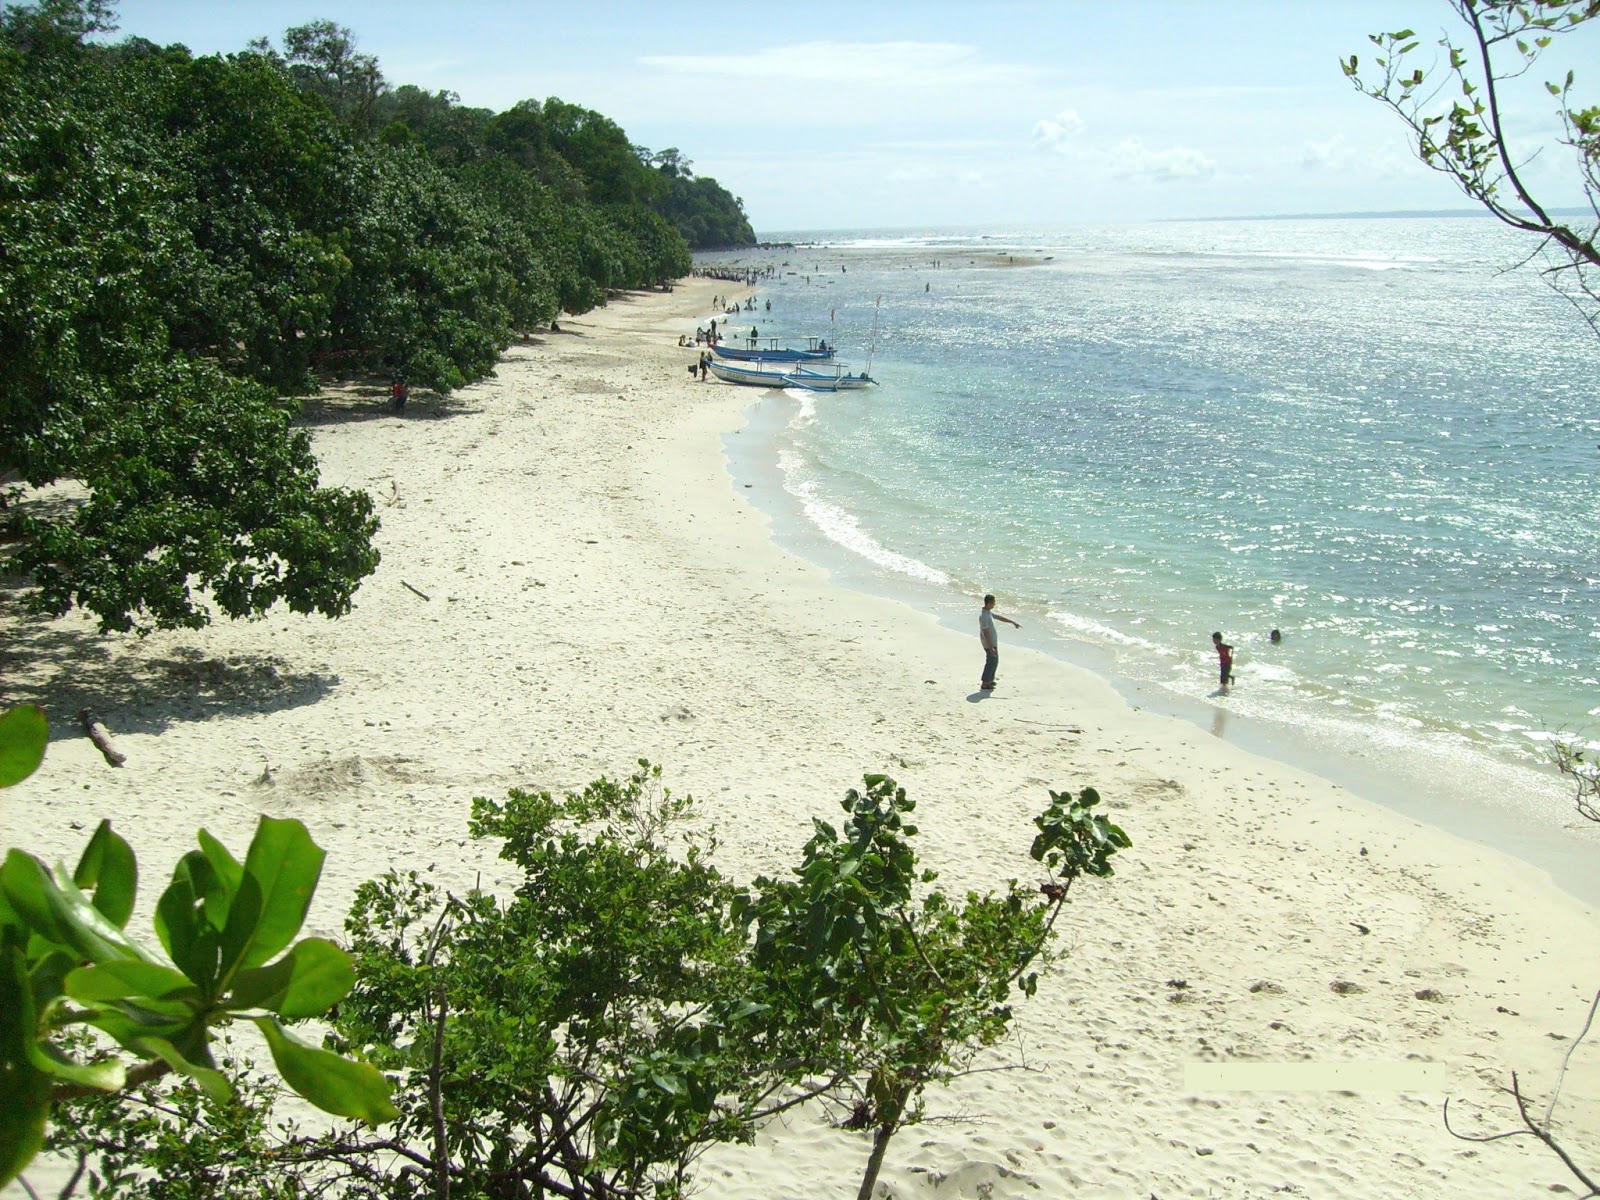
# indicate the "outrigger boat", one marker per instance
pixel 783 375
pixel 772 352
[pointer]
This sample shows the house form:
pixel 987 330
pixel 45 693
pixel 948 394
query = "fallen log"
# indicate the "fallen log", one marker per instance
pixel 101 737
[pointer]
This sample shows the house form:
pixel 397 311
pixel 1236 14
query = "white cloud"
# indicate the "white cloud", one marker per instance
pixel 858 64
pixel 1133 160
pixel 1053 133
pixel 1334 154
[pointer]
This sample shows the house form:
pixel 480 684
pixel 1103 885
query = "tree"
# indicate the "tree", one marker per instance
pixel 1457 116
pixel 592 1034
pixel 195 496
pixel 895 986
pixel 322 59
pixel 74 982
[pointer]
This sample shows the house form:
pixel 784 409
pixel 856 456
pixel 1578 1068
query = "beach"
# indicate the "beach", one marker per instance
pixel 571 580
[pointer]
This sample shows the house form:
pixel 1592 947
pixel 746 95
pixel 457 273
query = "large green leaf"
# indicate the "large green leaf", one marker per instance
pixel 212 1081
pixel 335 1085
pixel 228 869
pixel 313 977
pixel 184 931
pixel 243 923
pixel 123 980
pixel 106 1076
pixel 286 863
pixel 56 910
pixel 109 870
pixel 23 734
pixel 24 1089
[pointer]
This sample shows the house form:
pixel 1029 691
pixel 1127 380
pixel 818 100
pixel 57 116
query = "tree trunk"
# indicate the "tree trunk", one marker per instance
pixel 880 1145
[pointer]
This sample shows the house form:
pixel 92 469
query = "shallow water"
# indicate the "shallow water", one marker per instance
pixel 1364 433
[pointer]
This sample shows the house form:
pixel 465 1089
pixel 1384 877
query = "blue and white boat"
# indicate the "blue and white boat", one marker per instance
pixel 789 374
pixel 768 350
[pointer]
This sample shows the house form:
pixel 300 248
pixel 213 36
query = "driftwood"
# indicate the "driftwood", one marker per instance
pixel 101 737
pixel 414 591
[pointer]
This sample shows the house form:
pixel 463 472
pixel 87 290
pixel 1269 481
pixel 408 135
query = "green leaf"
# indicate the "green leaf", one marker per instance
pixel 187 936
pixel 243 921
pixel 24 1089
pixel 335 1085
pixel 313 977
pixel 212 1081
pixel 228 869
pixel 106 1076
pixel 108 868
pixel 124 980
pixel 23 734
pixel 286 864
pixel 57 911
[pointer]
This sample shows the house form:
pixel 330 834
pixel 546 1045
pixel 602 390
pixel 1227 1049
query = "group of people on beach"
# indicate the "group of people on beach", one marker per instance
pixel 987 616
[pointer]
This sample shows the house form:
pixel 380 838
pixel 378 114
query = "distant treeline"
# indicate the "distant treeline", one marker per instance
pixel 183 238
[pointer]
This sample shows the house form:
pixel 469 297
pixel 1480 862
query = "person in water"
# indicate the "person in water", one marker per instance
pixel 1224 659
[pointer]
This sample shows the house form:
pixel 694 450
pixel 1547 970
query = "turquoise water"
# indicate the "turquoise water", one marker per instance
pixel 1365 433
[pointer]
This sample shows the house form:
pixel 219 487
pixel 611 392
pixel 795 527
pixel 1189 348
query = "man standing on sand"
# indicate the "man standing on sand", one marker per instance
pixel 991 643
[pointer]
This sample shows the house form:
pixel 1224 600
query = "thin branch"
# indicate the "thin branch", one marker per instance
pixel 1496 130
pixel 441 1140
pixel 1545 1137
pixel 71 1186
pixel 146 1072
pixel 1567 1058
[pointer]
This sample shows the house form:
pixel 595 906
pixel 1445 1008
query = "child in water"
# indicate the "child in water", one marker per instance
pixel 1224 659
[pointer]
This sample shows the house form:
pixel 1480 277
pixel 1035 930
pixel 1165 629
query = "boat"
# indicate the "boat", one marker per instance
pixel 783 375
pixel 772 352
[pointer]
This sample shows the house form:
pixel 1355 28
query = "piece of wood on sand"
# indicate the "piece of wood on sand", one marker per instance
pixel 101 737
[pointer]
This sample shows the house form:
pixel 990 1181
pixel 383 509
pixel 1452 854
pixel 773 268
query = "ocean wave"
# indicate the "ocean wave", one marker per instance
pixel 1090 628
pixel 842 528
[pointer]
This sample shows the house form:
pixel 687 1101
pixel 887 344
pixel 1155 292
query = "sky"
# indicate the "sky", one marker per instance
pixel 886 114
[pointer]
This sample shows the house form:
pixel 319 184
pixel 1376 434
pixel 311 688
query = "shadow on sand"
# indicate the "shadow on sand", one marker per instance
pixel 64 668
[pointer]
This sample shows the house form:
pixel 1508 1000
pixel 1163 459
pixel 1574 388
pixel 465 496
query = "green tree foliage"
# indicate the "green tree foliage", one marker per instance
pixel 701 209
pixel 183 240
pixel 627 1007
pixel 587 1037
pixel 322 59
pixel 903 984
pixel 85 1007
pixel 1457 114
pixel 191 476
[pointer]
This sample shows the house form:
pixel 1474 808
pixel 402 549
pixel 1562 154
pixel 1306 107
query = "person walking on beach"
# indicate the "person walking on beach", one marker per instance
pixel 1224 659
pixel 991 643
pixel 705 359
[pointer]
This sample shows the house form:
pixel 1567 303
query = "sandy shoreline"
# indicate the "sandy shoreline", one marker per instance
pixel 598 591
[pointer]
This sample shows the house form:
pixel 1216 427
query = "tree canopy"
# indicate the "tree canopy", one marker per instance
pixel 1462 124
pixel 186 242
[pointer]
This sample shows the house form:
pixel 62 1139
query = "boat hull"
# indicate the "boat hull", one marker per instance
pixel 737 355
pixel 788 375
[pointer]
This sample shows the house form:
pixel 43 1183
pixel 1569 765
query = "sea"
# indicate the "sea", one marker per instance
pixel 1378 436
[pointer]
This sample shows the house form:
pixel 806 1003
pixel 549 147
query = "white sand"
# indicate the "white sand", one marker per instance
pixel 599 590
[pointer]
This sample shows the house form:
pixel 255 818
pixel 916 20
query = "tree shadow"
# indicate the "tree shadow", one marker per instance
pixel 352 401
pixel 67 667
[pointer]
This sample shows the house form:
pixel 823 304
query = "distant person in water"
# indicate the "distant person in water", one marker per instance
pixel 1274 637
pixel 1224 659
pixel 991 643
